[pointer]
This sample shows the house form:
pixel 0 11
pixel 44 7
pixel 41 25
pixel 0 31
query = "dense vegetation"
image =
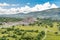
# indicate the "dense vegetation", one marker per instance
pixel 15 33
pixel 7 19
pixel 42 29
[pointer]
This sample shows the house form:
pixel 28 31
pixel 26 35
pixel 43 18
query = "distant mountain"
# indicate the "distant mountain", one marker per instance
pixel 50 13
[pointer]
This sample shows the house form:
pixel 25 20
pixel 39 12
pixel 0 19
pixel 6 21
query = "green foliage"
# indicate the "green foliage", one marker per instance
pixel 4 32
pixel 14 36
pixel 1 24
pixel 41 35
pixel 56 32
pixel 31 31
pixel 7 19
pixel 3 38
pixel 59 28
pixel 43 32
pixel 9 29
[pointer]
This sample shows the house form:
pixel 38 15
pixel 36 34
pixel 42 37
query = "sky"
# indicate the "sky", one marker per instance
pixel 26 6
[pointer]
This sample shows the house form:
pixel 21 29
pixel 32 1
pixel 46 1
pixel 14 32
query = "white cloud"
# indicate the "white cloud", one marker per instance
pixel 54 6
pixel 25 9
pixel 38 7
pixel 6 4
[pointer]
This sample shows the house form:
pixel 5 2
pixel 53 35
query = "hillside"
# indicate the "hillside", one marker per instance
pixel 50 13
pixel 31 26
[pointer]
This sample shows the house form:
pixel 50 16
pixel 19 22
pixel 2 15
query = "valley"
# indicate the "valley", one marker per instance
pixel 32 26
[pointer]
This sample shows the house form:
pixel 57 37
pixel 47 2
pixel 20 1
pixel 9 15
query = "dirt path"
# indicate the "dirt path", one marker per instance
pixel 45 34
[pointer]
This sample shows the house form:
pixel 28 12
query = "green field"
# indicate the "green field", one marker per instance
pixel 43 29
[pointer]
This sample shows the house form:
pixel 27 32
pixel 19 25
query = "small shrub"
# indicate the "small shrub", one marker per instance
pixel 14 36
pixel 36 31
pixel 56 32
pixel 3 38
pixel 4 32
pixel 42 32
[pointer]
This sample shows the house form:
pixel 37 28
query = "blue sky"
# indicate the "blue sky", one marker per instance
pixel 32 2
pixel 26 6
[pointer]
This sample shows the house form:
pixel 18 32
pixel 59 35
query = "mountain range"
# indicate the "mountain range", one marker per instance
pixel 50 13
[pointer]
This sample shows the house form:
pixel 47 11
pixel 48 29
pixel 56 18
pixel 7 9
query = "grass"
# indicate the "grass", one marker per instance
pixel 50 35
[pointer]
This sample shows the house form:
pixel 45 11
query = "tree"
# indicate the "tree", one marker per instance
pixel 14 36
pixel 42 32
pixel 51 25
pixel 23 24
pixel 40 35
pixel 30 24
pixel 27 36
pixel 13 26
pixel 59 28
pixel 10 29
pixel 4 32
pixel 46 27
pixel 38 18
pixel 3 38
pixel 56 32
pixel 36 31
pixel 1 24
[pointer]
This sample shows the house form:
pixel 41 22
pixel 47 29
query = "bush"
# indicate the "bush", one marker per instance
pixel 4 32
pixel 51 26
pixel 27 36
pixel 13 26
pixel 23 24
pixel 59 28
pixel 40 35
pixel 43 32
pixel 9 29
pixel 14 36
pixel 1 24
pixel 3 38
pixel 46 27
pixel 56 32
pixel 36 31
